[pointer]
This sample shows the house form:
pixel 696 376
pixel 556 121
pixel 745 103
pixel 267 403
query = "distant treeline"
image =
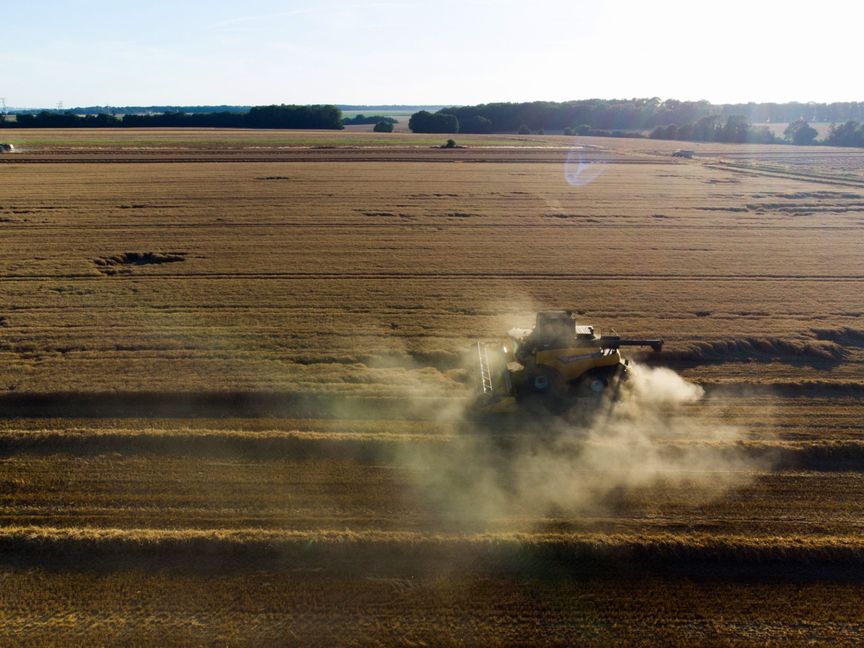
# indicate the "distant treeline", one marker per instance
pixel 713 128
pixel 670 119
pixel 850 133
pixel 312 117
pixel 637 114
pixel 138 110
pixel 439 122
pixel 358 120
pixel 736 128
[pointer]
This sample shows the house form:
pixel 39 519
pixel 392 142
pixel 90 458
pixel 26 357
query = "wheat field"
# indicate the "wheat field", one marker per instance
pixel 234 368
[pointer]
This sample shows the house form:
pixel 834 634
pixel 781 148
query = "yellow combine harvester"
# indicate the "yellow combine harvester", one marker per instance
pixel 556 362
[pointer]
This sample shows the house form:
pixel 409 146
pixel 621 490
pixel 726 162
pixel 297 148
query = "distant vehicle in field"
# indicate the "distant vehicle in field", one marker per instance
pixel 684 153
pixel 6 148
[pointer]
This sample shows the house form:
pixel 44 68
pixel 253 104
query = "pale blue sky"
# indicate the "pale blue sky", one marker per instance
pixel 441 51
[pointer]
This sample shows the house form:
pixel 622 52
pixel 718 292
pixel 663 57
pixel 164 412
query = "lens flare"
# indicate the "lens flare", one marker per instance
pixel 579 170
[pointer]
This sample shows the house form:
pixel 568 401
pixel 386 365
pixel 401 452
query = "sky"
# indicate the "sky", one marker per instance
pixel 248 52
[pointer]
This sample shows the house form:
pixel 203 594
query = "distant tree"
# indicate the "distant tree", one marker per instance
pixel 800 132
pixel 328 117
pixel 761 135
pixel 426 122
pixel 540 131
pixel 524 130
pixel 50 119
pixel 659 132
pixel 849 134
pixel 735 130
pixel 419 121
pixel 568 131
pixel 685 132
pixel 475 124
pixel 446 123
pixel 582 129
pixel 383 127
pixel 705 129
pixel 451 143
pixel 360 120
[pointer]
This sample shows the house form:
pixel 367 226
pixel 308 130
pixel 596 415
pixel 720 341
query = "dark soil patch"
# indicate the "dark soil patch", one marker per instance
pixel 146 206
pixel 123 263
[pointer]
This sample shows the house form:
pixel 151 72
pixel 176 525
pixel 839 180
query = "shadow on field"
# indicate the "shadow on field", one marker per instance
pixel 493 435
pixel 217 405
pixel 717 558
pixel 227 404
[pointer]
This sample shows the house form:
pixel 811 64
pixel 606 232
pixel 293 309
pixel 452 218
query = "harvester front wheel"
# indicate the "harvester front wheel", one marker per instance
pixel 545 388
pixel 547 381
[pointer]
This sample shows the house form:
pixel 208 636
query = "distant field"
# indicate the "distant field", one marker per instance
pixel 831 164
pixel 234 367
pixel 47 139
pixel 401 116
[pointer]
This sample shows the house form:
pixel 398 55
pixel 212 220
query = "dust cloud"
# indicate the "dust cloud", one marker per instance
pixel 515 471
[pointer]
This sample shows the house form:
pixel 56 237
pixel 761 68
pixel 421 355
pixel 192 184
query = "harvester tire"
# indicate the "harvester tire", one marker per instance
pixel 544 390
pixel 548 381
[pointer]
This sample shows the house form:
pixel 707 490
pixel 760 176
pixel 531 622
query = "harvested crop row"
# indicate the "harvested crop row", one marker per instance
pixel 137 606
pixel 392 553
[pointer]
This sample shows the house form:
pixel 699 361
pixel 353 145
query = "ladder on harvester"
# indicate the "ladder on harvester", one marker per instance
pixel 485 374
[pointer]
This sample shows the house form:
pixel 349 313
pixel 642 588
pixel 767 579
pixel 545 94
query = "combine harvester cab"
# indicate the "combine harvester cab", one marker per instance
pixel 558 364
